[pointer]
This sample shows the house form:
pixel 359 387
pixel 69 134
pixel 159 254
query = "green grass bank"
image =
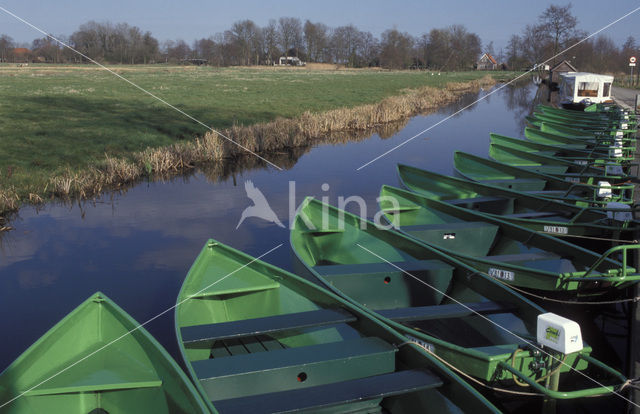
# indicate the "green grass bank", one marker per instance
pixel 58 120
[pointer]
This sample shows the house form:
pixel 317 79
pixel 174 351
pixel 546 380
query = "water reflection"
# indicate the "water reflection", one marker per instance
pixel 137 244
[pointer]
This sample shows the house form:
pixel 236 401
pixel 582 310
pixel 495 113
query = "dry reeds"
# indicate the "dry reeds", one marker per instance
pixel 9 200
pixel 281 134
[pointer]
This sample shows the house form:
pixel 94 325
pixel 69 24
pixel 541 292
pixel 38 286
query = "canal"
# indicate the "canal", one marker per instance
pixel 136 246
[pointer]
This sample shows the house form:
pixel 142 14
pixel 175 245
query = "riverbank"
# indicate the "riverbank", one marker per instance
pixel 65 141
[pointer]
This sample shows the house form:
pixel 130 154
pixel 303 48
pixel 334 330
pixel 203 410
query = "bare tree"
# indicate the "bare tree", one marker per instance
pixel 316 41
pixel 560 24
pixel 6 46
pixel 290 35
pixel 246 37
pixel 396 49
pixel 270 41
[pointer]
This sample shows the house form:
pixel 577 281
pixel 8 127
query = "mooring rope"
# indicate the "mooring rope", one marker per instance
pixel 567 302
pixel 469 377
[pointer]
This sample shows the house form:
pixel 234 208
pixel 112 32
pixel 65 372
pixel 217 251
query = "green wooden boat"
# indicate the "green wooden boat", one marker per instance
pixel 496 173
pixel 531 211
pixel 606 125
pixel 106 363
pixel 607 116
pixel 590 117
pixel 553 136
pixel 512 253
pixel 537 120
pixel 558 167
pixel 606 108
pixel 430 297
pixel 258 339
pixel 575 135
pixel 569 152
pixel 601 138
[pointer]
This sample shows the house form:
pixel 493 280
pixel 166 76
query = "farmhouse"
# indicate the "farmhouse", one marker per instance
pixel 487 62
pixel 21 55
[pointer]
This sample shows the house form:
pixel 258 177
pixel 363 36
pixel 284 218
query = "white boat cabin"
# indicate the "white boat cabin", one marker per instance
pixel 585 88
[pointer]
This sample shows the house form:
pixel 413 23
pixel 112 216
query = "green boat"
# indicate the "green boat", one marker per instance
pixel 608 116
pixel 463 316
pixel 537 120
pixel 512 253
pixel 492 172
pixel 600 138
pixel 98 360
pixel 606 125
pixel 554 166
pixel 258 339
pixel 587 117
pixel 553 136
pixel 575 153
pixel 607 108
pixel 578 224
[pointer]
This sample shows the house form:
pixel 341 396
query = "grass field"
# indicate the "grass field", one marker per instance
pixel 56 118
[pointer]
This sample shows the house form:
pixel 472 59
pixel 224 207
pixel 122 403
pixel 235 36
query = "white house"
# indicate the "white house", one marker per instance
pixel 290 61
pixel 584 87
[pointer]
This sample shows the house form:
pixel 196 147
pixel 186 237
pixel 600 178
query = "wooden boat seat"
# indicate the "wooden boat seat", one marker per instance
pixel 463 225
pixel 533 214
pixel 259 326
pixel 283 369
pixel 325 396
pixel 452 310
pixel 380 267
pixel 512 182
pixel 487 199
pixel 522 257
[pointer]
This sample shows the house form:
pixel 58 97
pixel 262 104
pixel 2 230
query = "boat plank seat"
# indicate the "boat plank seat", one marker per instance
pixel 522 257
pixel 463 225
pixel 244 345
pixel 328 395
pixel 452 310
pixel 534 214
pixel 485 199
pixel 380 267
pixel 513 182
pixel 259 326
pixel 279 370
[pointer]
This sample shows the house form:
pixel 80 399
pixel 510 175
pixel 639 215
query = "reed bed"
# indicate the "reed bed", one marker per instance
pixel 262 138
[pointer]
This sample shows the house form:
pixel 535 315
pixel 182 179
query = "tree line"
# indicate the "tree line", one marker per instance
pixel 245 43
pixel 555 30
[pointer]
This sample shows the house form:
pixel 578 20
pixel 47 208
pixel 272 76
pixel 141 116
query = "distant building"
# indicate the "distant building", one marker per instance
pixel 21 55
pixel 486 62
pixel 290 61
pixel 195 61
pixel 559 69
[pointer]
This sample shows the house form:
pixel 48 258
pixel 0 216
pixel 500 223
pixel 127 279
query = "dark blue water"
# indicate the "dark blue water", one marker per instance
pixel 137 247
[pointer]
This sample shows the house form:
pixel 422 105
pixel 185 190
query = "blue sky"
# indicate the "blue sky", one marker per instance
pixel 493 20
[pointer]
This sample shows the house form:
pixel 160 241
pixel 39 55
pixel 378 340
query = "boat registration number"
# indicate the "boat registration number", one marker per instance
pixel 556 229
pixel 422 344
pixel 502 274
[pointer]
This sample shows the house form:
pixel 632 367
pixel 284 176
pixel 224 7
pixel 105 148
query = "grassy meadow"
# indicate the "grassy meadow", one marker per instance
pixel 65 118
